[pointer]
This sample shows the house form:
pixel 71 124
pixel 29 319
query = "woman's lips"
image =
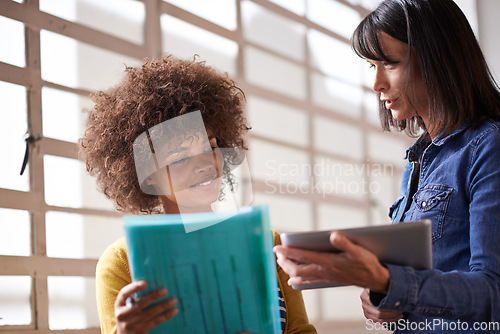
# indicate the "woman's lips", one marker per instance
pixel 390 103
pixel 204 183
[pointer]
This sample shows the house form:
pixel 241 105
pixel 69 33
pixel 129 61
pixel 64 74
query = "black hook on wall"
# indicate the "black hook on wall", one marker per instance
pixel 29 140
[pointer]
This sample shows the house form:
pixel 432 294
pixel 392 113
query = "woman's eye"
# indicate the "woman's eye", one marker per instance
pixel 389 63
pixel 372 66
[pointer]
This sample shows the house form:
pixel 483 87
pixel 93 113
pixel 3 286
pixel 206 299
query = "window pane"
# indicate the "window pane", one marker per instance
pixel 335 58
pixel 185 40
pixel 336 177
pixel 99 68
pixel 273 31
pixel 278 121
pixel 275 164
pixel 311 301
pixel 334 16
pixel 286 213
pixel 13 127
pixel 67 183
pixel 338 138
pixel 274 73
pixel 15 232
pixel 349 310
pixel 221 12
pixel 337 95
pixel 126 23
pixel 296 6
pixel 75 64
pixel 370 103
pixel 72 302
pixel 332 217
pixel 64 233
pixel 62 114
pixel 387 148
pixel 368 74
pixel 368 4
pixel 15 305
pixel 59 59
pixel 12 41
pixel 80 236
pixel 62 181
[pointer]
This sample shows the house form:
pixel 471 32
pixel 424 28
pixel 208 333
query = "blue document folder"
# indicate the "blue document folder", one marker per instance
pixel 224 275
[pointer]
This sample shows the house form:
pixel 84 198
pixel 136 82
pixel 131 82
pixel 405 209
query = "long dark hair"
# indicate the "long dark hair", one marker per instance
pixel 460 86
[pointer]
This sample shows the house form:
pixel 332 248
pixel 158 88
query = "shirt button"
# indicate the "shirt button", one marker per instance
pixel 397 303
pixel 424 204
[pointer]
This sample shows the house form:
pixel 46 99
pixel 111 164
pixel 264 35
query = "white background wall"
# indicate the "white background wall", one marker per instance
pixel 489 38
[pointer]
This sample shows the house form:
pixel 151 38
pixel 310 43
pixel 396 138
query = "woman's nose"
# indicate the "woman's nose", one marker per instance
pixel 380 83
pixel 204 162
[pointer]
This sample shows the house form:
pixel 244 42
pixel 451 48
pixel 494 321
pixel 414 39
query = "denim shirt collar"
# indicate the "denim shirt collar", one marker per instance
pixel 441 139
pixel 415 151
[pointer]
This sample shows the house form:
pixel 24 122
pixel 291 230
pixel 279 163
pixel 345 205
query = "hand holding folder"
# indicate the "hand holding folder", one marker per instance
pixel 223 276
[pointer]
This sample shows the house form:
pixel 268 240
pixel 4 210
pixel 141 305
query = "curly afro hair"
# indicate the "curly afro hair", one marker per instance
pixel 159 90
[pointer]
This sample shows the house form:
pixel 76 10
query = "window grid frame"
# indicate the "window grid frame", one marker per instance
pixel 40 266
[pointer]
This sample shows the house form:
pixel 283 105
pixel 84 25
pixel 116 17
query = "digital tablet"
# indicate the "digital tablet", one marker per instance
pixel 406 244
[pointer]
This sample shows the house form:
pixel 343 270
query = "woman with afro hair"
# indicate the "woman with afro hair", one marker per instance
pixel 158 91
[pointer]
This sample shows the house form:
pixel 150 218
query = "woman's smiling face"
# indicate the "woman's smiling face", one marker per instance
pixel 194 169
pixel 402 92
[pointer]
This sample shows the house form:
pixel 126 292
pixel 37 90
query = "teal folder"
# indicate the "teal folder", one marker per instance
pixel 224 275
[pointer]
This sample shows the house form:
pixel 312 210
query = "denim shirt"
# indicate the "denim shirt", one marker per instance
pixel 459 191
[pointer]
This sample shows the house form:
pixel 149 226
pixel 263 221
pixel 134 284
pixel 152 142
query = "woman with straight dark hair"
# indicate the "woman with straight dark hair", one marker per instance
pixel 431 78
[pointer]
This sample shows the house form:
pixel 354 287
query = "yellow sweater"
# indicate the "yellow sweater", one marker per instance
pixel 113 273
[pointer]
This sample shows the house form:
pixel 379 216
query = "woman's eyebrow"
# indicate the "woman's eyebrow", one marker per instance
pixel 390 56
pixel 181 149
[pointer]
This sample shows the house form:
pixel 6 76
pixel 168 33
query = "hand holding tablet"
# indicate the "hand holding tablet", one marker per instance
pixel 407 244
